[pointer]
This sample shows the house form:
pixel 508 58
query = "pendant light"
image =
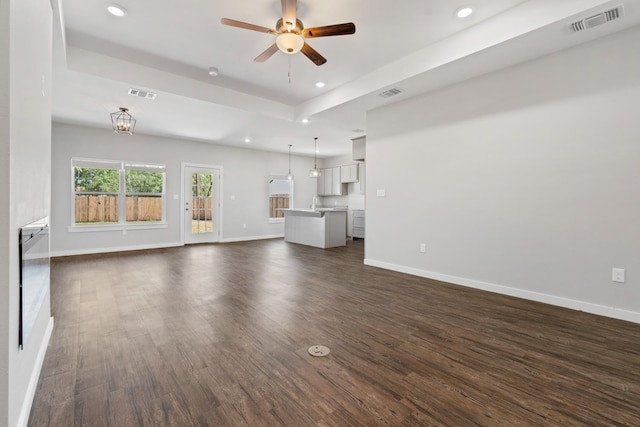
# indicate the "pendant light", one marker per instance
pixel 289 175
pixel 123 122
pixel 315 172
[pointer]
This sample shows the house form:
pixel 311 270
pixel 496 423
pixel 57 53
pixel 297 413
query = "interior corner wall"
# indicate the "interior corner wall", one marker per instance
pixel 522 181
pixel 25 162
pixel 245 186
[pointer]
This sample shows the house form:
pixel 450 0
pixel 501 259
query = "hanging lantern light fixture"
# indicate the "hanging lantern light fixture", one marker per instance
pixel 315 172
pixel 289 175
pixel 123 122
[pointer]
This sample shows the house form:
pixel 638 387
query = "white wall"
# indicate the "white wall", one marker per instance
pixel 524 181
pixel 246 175
pixel 5 211
pixel 25 146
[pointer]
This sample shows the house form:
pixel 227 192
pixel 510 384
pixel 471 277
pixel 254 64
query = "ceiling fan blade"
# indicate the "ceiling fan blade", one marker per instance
pixel 289 13
pixel 267 53
pixel 329 30
pixel 246 26
pixel 313 55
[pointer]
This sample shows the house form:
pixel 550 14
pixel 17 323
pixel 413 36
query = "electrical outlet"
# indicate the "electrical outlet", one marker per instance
pixel 381 193
pixel 423 247
pixel 617 275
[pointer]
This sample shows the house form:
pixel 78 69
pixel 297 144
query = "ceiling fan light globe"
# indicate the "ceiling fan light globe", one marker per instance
pixel 289 43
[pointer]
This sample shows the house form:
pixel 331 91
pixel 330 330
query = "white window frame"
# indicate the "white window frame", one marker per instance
pixel 283 178
pixel 121 166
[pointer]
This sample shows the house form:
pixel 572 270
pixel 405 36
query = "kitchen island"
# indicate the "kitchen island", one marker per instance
pixel 322 228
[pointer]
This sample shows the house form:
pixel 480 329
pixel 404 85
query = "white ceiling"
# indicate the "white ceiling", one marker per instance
pixel 167 47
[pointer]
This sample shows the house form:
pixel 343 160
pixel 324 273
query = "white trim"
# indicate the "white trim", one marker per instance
pixel 602 310
pixel 248 238
pixel 35 375
pixel 115 249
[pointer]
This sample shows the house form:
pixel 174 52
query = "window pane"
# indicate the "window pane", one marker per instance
pixel 96 209
pixel 202 203
pixel 202 185
pixel 279 197
pixel 143 181
pixel 95 180
pixel 144 209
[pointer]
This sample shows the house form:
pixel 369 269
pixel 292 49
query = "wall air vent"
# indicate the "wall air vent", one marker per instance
pixel 142 93
pixel 597 19
pixel 389 93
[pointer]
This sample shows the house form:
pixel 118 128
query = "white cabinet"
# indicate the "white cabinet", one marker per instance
pixel 336 182
pixel 358 148
pixel 349 173
pixel 358 224
pixel 361 177
pixel 324 182
pixel 329 183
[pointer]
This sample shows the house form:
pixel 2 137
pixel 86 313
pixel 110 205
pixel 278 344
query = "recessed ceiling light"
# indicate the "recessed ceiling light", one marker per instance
pixel 116 10
pixel 319 84
pixel 247 140
pixel 305 121
pixel 464 12
pixel 213 71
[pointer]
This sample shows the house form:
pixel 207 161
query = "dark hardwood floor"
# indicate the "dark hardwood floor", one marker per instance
pixel 217 335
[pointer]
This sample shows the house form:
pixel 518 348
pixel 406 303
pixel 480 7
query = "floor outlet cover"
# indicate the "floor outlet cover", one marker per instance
pixel 318 350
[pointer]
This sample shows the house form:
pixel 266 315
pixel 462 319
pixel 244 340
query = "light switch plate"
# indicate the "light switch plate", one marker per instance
pixel 380 193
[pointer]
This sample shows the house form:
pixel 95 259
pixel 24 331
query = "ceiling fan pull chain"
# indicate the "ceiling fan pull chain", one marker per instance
pixel 289 70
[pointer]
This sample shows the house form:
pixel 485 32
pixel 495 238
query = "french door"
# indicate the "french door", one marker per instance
pixel 201 204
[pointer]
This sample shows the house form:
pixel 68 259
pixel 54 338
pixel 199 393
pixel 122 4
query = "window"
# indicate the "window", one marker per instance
pixel 107 193
pixel 280 197
pixel 144 193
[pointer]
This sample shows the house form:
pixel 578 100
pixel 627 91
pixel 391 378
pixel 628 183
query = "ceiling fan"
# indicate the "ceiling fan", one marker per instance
pixel 291 33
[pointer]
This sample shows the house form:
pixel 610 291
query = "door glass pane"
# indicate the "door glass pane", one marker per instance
pixel 202 203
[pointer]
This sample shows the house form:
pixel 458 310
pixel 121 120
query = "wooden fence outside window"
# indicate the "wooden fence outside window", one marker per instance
pixel 278 201
pixel 91 209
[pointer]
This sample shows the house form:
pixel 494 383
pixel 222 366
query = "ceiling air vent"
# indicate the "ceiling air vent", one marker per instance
pixel 142 93
pixel 598 19
pixel 389 93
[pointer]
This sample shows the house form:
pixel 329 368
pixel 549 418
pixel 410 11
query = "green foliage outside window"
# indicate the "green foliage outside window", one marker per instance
pixel 96 180
pixel 143 181
pixel 201 185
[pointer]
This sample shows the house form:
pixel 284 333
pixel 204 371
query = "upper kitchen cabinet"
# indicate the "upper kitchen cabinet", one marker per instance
pixel 329 182
pixel 336 187
pixel 349 173
pixel 358 148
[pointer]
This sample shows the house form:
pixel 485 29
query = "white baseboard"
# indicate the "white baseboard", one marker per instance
pixel 602 310
pixel 248 238
pixel 73 252
pixel 114 249
pixel 35 375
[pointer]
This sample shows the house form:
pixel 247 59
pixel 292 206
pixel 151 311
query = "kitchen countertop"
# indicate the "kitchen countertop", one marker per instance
pixel 313 212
